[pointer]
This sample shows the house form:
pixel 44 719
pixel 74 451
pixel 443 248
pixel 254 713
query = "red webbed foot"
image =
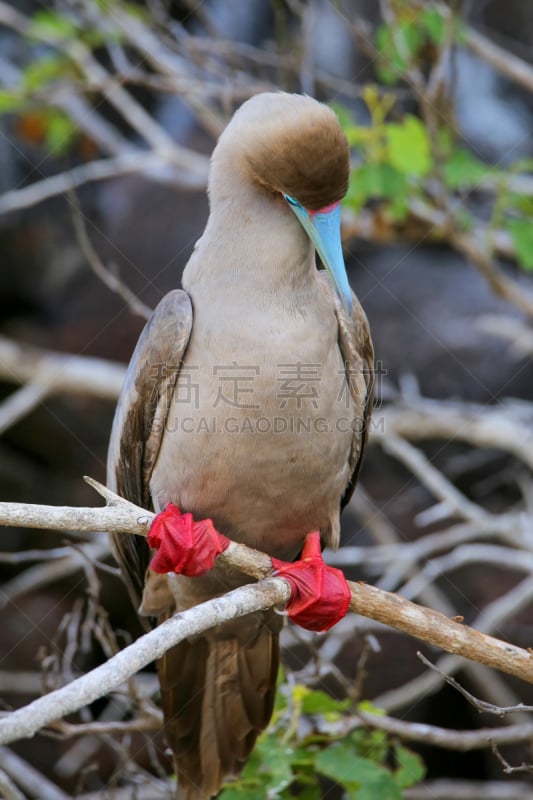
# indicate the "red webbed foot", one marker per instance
pixel 183 545
pixel 320 594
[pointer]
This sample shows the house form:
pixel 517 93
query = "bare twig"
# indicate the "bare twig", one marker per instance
pixel 21 403
pixel 28 720
pixel 60 372
pixel 508 768
pixel 142 724
pixel 459 740
pixel 28 778
pixel 491 618
pixel 147 163
pixel 445 491
pixel 513 330
pixel 120 516
pixel 44 574
pixel 449 789
pixel 506 63
pixel 111 280
pixel 473 245
pixel 506 426
pixel 8 790
pixel 132 112
pixel 479 705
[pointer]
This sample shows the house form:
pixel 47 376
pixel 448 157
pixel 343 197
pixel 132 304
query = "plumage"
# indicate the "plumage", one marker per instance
pixel 247 400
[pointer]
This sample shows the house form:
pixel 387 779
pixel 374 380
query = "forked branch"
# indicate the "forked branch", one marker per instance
pixel 121 516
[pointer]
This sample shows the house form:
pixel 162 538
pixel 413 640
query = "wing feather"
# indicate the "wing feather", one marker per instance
pixel 140 420
pixel 357 350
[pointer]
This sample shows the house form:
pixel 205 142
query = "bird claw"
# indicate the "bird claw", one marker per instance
pixel 184 546
pixel 320 594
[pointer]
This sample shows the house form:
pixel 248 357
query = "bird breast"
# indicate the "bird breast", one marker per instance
pixel 260 429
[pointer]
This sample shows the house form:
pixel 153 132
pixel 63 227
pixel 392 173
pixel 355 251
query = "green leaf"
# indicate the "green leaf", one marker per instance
pixel 309 793
pixel 44 71
pixel 317 702
pixel 303 757
pixel 10 102
pixel 410 768
pixel 463 169
pixel 391 64
pixel 398 46
pixel 464 219
pixel 521 231
pixel 52 25
pixel 371 744
pixel 276 762
pixel 398 209
pixel 341 765
pixel 410 37
pixel 522 165
pixel 408 146
pixel 433 22
pixel 364 779
pixel 375 181
pixel 60 132
pixel 344 115
pixel 370 708
pixel 244 793
pixel 520 202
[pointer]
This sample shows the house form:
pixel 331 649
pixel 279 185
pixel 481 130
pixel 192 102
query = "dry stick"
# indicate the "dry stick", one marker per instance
pixel 8 790
pixel 26 721
pixel 448 789
pixel 479 705
pixel 59 372
pixel 120 516
pixel 112 281
pixel 34 783
pixel 146 162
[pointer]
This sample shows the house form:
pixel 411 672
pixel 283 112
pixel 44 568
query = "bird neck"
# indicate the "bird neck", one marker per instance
pixel 254 247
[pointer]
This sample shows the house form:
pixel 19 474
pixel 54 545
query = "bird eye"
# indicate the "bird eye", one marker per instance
pixel 291 200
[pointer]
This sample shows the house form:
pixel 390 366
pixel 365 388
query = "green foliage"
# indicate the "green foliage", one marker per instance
pixel 402 161
pixel 45 71
pixel 287 762
pixel 521 231
pixel 462 169
pixel 396 162
pixel 10 102
pixel 394 157
pixel 409 149
pixel 402 45
pixel 52 25
pixel 60 132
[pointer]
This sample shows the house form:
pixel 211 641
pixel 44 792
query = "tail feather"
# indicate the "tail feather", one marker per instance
pixel 218 695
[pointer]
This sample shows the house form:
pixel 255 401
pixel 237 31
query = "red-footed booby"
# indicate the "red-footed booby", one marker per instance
pixel 247 401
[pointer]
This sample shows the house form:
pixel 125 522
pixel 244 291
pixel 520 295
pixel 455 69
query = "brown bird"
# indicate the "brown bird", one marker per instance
pixel 247 400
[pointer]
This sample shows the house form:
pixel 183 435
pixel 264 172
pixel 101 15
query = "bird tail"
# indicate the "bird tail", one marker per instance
pixel 217 695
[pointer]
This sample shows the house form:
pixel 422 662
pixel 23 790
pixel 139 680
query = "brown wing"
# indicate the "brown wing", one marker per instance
pixel 140 421
pixel 357 351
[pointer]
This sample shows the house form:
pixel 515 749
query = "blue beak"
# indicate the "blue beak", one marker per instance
pixel 324 229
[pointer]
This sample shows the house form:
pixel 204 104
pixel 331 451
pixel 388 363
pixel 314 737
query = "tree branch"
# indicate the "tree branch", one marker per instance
pixel 108 278
pixel 121 516
pixel 141 161
pixel 26 721
pixel 59 372
pixel 449 789
pixel 505 62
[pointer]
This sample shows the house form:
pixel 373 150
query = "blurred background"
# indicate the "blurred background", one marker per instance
pixel 108 114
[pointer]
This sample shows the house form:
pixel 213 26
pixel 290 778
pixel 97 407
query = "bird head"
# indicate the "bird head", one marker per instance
pixel 294 148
